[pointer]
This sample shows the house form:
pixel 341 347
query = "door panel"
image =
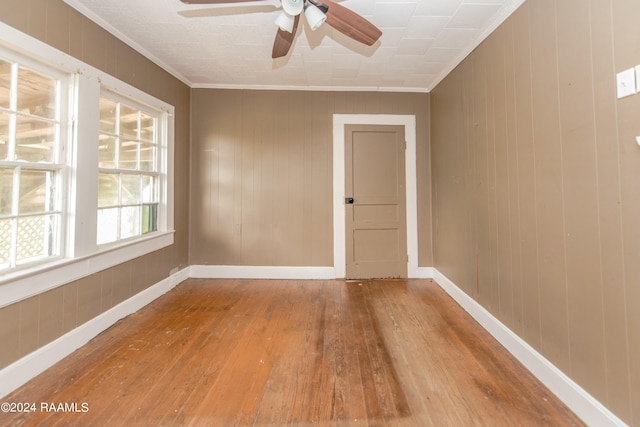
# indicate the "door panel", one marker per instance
pixel 376 240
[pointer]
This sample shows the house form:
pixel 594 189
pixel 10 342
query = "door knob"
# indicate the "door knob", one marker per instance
pixel 348 200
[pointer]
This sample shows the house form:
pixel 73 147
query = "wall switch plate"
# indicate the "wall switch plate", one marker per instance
pixel 626 82
pixel 637 78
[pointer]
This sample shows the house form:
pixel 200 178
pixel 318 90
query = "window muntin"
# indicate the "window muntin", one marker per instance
pixel 32 166
pixel 129 170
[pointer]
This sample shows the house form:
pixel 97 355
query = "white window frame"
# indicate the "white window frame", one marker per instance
pixel 160 172
pixel 82 256
pixel 62 159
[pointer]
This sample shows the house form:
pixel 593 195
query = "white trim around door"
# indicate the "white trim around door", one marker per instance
pixel 339 230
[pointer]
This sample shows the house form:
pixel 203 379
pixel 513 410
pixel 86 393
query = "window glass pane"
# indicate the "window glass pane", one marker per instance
pixel 130 222
pixel 35 140
pixel 128 155
pixel 6 190
pixel 108 116
pixel 130 189
pixel 37 237
pixel 149 193
pixel 132 198
pixel 5 84
pixel 31 197
pixel 108 189
pixel 36 94
pixel 147 157
pixel 107 152
pixel 128 122
pixel 149 218
pixel 36 191
pixel 5 241
pixel 107 225
pixel 147 128
pixel 4 136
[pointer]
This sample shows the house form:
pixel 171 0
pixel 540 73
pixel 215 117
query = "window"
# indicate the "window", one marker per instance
pixel 86 169
pixel 32 164
pixel 128 197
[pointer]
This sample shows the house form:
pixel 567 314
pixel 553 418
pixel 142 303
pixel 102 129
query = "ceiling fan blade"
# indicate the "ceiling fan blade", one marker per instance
pixel 216 1
pixel 351 24
pixel 284 40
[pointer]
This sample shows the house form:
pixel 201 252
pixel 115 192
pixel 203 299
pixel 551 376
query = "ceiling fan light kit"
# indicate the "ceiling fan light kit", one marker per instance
pixel 315 17
pixel 284 21
pixel 293 7
pixel 337 16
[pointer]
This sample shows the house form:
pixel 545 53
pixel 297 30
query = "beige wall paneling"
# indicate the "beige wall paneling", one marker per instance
pixel 70 307
pixel 549 185
pixel 626 42
pixel 609 209
pixel 511 281
pixel 530 274
pixel 262 173
pixel 51 316
pixel 10 334
pixel 581 199
pixel 57 16
pixel 55 23
pixel 549 188
pixel 497 96
pixel 28 324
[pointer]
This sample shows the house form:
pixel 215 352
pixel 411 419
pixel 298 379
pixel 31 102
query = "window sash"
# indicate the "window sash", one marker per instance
pixel 35 142
pixel 116 132
pixel 77 164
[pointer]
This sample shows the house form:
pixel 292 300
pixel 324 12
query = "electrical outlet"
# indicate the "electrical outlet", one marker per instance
pixel 626 82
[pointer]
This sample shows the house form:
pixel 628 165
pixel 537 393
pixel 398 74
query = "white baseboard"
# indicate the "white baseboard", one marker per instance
pixel 33 364
pixel 576 398
pixel 585 406
pixel 284 273
pixel 422 273
pixel 251 272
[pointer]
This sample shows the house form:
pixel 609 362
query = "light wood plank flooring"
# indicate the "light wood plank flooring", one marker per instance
pixel 271 353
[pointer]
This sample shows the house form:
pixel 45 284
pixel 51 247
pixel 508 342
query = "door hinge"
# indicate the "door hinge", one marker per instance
pixel 405 144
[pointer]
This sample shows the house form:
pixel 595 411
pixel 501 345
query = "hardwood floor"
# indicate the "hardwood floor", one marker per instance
pixel 270 353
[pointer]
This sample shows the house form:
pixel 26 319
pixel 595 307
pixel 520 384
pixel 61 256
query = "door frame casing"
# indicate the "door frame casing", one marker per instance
pixel 339 210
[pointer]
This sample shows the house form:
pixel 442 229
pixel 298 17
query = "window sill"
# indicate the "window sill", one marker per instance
pixel 23 284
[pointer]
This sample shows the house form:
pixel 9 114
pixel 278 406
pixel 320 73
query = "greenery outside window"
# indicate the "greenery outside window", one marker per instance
pixel 129 172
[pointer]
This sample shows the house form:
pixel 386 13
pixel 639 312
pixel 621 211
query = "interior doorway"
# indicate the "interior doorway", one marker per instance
pixel 340 121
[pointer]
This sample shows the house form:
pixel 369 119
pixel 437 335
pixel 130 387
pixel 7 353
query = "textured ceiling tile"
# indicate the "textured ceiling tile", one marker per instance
pixel 455 38
pixel 498 2
pixel 440 54
pixel 472 16
pixel 414 46
pixel 426 26
pixel 230 44
pixel 438 7
pixel 392 36
pixel 393 15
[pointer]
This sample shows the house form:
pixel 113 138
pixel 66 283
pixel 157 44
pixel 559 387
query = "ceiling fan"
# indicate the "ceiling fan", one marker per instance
pixel 316 13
